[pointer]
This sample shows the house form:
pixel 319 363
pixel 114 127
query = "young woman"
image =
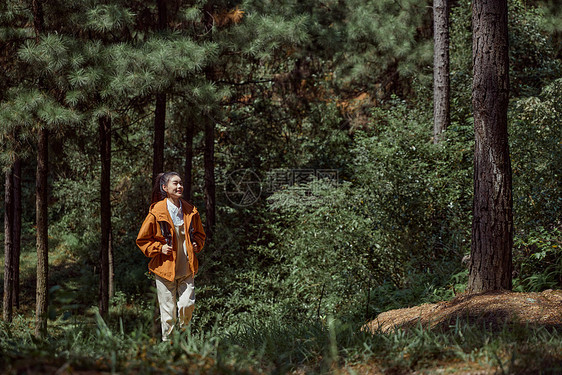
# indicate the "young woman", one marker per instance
pixel 171 234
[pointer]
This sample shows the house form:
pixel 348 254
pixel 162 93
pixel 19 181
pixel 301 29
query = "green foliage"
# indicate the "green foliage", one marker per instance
pixel 537 157
pixel 537 188
pixel 287 282
pixel 275 30
pixel 27 108
pixel 156 65
pixel 533 60
pixel 401 214
pixel 415 191
pixel 385 28
pixel 532 57
pixel 109 18
pixel 538 257
pixel 272 346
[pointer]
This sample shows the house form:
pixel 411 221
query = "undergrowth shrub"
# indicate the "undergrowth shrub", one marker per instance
pixel 536 153
pixel 405 212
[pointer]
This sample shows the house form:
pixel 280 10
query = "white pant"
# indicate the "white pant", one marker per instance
pixel 167 291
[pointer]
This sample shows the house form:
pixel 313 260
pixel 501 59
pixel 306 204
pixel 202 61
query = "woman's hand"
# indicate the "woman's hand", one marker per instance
pixel 166 249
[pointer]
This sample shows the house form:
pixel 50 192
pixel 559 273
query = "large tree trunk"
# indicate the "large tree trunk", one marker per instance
pixel 188 171
pixel 209 161
pixel 17 233
pixel 441 82
pixel 8 245
pixel 41 211
pixel 105 208
pixel 492 226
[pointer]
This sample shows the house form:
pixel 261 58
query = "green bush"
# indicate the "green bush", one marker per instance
pixel 405 212
pixel 536 131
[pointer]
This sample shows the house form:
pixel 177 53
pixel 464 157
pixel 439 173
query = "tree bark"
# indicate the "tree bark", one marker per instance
pixel 111 267
pixel 159 128
pixel 38 17
pixel 490 266
pixel 209 162
pixel 105 209
pixel 41 208
pixel 188 172
pixel 441 80
pixel 8 245
pixel 209 159
pixel 160 110
pixel 17 232
pixel 162 14
pixel 41 212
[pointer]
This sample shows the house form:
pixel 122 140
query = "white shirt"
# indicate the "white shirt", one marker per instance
pixel 175 212
pixel 182 260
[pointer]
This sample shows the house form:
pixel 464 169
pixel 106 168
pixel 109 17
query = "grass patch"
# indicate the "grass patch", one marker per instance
pixel 274 346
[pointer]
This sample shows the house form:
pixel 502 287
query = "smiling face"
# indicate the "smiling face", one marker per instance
pixel 174 188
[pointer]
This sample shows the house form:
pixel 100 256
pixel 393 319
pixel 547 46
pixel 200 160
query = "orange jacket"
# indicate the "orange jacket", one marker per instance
pixel 150 239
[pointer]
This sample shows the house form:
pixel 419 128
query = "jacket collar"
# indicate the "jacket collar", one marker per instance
pixel 160 210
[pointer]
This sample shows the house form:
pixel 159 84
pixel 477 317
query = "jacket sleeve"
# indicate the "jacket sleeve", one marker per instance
pixel 199 232
pixel 146 240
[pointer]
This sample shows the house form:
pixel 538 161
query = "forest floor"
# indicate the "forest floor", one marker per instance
pixel 447 338
pixel 492 311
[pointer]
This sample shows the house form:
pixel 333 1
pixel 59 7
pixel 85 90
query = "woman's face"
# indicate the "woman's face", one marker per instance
pixel 174 187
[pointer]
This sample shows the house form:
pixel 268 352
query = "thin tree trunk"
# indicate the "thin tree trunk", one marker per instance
pixel 111 267
pixel 105 208
pixel 159 128
pixel 41 211
pixel 490 266
pixel 160 110
pixel 209 162
pixel 8 245
pixel 162 14
pixel 441 81
pixel 17 232
pixel 38 17
pixel 41 208
pixel 188 174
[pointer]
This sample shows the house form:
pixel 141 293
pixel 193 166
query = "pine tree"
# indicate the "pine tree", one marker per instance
pixel 160 105
pixel 33 107
pixel 188 164
pixel 133 71
pixel 441 80
pixel 11 150
pixel 244 43
pixel 490 265
pixel 8 245
pixel 41 208
pixel 105 208
pixel 91 93
pixel 16 237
